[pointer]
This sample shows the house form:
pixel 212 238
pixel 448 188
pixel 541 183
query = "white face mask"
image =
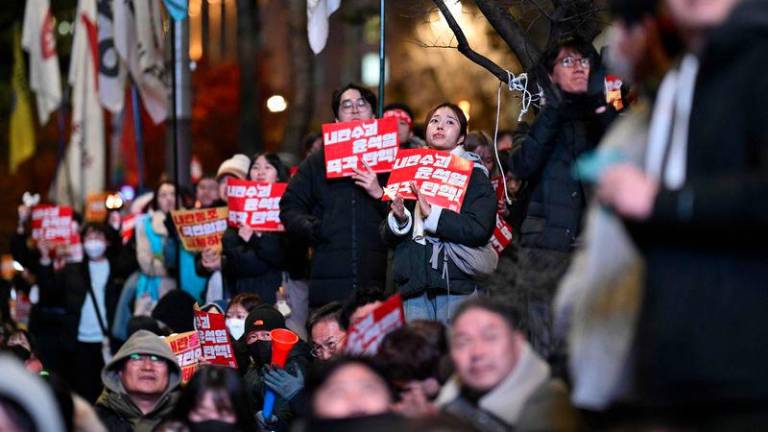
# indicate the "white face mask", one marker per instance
pixel 236 327
pixel 94 248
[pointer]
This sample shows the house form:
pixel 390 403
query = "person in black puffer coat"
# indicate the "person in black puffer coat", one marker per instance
pixel 431 282
pixel 572 122
pixel 339 217
pixel 252 262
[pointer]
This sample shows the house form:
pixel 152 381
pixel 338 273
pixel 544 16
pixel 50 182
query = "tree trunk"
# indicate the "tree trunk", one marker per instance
pixel 302 67
pixel 248 44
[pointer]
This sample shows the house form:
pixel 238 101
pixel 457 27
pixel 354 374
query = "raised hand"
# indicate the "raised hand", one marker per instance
pixel 367 180
pixel 245 233
pixel 398 208
pixel 424 205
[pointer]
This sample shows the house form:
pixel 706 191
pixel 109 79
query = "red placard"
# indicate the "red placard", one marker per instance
pixel 498 186
pixel 255 204
pixel 613 92
pixel 199 229
pixel 52 223
pixel 365 335
pixel 128 227
pixel 502 235
pixel 186 346
pixel 214 339
pixel 348 144
pixel 441 177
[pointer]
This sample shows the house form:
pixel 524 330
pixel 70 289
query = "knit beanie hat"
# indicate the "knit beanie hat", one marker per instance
pixel 238 166
pixel 264 317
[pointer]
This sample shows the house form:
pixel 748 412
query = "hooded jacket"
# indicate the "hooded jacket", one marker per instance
pixel 115 407
pixel 31 393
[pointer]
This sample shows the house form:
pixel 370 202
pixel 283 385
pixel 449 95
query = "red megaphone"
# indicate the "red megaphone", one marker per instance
pixel 283 341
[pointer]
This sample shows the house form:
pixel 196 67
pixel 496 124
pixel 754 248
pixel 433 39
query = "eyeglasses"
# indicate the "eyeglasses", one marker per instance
pixel 330 346
pixel 570 62
pixel 141 357
pixel 359 103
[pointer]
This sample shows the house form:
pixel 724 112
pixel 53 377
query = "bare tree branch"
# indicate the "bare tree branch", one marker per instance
pixel 511 32
pixel 465 49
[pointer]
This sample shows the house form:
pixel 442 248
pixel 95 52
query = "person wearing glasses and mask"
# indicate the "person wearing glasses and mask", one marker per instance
pixel 573 121
pixel 141 384
pixel 339 218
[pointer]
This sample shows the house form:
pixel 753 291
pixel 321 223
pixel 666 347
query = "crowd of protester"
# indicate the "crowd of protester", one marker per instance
pixel 631 298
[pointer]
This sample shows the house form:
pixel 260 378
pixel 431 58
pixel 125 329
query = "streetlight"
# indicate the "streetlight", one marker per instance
pixel 276 104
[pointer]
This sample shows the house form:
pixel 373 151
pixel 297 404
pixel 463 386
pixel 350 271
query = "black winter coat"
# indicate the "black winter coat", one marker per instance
pixel 68 289
pixel 545 158
pixel 473 226
pixel 341 222
pixel 704 314
pixel 250 267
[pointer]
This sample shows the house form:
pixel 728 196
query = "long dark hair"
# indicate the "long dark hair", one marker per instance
pixel 277 164
pixel 225 386
pixel 153 204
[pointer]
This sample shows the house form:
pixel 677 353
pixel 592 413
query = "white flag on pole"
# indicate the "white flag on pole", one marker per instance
pixel 83 169
pixel 39 41
pixel 139 42
pixel 318 12
pixel 112 70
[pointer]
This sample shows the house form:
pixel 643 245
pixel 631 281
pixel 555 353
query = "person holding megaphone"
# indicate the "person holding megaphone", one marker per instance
pixel 269 344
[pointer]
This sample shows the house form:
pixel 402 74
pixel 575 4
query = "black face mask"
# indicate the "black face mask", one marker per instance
pixel 261 351
pixel 212 426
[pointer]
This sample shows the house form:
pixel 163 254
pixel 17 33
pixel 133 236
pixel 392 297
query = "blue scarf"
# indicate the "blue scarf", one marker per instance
pixel 150 285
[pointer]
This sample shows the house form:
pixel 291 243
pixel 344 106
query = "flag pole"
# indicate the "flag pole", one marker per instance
pixel 174 119
pixel 382 45
pixel 137 126
pixel 175 134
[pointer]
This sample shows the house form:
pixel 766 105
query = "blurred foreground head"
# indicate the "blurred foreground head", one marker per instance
pixel 485 343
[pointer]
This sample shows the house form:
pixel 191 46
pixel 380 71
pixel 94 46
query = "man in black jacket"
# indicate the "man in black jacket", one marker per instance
pixel 697 212
pixel 571 123
pixel 339 217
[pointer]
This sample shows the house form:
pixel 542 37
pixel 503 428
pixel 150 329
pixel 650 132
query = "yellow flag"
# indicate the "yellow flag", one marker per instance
pixel 22 128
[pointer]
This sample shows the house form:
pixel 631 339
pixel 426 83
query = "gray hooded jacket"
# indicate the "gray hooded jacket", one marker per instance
pixel 115 407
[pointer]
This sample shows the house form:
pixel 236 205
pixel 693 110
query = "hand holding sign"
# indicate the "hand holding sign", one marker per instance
pixel 442 178
pixel 211 259
pixel 398 208
pixel 424 205
pixel 367 179
pixel 245 232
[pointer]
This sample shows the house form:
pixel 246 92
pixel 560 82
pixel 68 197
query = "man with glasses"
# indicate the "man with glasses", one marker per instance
pixel 140 384
pixel 324 329
pixel 339 218
pixel 572 122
